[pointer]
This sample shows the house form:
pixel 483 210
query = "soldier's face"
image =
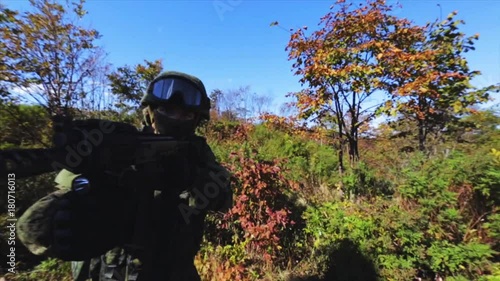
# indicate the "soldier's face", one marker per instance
pixel 174 121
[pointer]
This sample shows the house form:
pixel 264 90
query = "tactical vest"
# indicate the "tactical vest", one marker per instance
pixel 115 265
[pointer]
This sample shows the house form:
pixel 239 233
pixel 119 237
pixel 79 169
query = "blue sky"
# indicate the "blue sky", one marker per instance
pixel 229 43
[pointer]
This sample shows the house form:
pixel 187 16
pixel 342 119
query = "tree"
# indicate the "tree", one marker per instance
pixel 342 66
pixel 48 57
pixel 481 128
pixel 216 100
pixel 431 79
pixel 232 104
pixel 129 84
pixel 260 104
pixel 24 126
pixel 235 102
pixel 6 17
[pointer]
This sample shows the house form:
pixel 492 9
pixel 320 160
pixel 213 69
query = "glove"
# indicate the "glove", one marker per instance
pixel 88 221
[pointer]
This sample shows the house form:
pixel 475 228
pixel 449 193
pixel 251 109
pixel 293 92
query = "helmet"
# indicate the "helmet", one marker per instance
pixel 172 87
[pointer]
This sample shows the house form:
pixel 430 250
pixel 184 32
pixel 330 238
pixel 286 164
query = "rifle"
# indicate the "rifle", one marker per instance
pixel 85 146
pixel 80 144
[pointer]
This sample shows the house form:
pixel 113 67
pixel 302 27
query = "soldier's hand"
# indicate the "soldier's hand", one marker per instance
pixel 89 221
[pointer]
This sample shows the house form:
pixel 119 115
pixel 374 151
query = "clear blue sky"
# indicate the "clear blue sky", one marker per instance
pixel 229 43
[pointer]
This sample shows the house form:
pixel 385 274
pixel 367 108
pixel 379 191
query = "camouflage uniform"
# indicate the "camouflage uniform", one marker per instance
pixel 176 240
pixel 176 234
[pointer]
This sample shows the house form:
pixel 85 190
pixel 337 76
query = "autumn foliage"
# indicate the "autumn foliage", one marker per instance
pixel 359 53
pixel 50 57
pixel 260 224
pixel 261 207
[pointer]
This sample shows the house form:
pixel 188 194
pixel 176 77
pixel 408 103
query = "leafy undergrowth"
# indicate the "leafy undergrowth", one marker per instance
pixel 49 269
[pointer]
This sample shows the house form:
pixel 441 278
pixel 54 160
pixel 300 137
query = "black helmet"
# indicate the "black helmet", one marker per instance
pixel 179 88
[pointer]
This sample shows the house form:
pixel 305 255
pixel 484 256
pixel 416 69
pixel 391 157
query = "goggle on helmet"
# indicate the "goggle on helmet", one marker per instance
pixel 180 89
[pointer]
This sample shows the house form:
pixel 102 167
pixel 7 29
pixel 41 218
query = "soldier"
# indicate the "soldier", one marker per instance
pixel 89 225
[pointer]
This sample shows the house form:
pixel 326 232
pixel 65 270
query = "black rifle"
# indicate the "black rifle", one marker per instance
pixel 81 144
pixel 87 146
